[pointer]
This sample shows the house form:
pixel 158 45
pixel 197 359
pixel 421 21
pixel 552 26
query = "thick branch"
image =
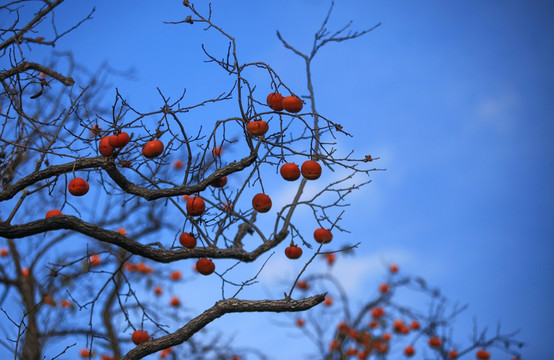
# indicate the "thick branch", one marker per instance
pixel 219 309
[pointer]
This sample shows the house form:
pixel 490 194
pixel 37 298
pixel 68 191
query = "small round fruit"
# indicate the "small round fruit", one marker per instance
pixel 175 302
pixel 434 342
pixel 140 337
pixel 104 146
pixel 257 127
pixel 153 149
pixel 195 206
pixel 205 266
pixel 323 236
pixel 119 140
pixel 78 187
pixel 311 170
pixel 187 240
pixel 415 325
pixel 482 354
pixel 175 275
pixel 300 322
pixel 330 258
pixel 292 104
pixel 53 212
pixel 219 183
pixel 293 252
pixel 290 171
pixel 383 288
pixel 275 101
pixel 377 312
pixel 453 354
pixel 303 285
pixel 85 353
pixel 393 268
pixel 409 350
pixel 261 203
pixel 95 260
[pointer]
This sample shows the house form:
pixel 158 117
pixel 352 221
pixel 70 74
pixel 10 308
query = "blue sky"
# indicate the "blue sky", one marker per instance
pixel 454 97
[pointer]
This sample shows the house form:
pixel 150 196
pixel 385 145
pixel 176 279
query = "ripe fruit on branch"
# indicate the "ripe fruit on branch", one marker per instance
pixel 119 140
pixel 292 104
pixel 78 187
pixel 482 354
pixel 384 287
pixel 85 353
pixel 414 325
pixel 153 149
pixel 293 251
pixel 205 266
pixel 95 260
pixel 53 212
pixel 409 350
pixel 178 164
pixel 175 275
pixel 275 101
pixel 187 240
pixel 328 301
pixel 25 272
pixel 453 354
pixel 4 252
pixel 219 183
pixel 377 312
pixel 175 302
pixel 330 258
pixel 140 337
pixel 261 203
pixel 323 236
pixel 300 322
pixel 303 285
pixel 104 146
pixel 257 127
pixel 393 268
pixel 434 342
pixel 158 290
pixel 195 206
pixel 290 171
pixel 216 151
pixel 311 170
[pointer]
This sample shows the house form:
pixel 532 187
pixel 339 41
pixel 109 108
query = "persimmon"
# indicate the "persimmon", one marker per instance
pixel 48 300
pixel 178 164
pixel 393 268
pixel 311 170
pixel 107 357
pixel 53 212
pixel 4 252
pixel 261 203
pixel 205 266
pixel 328 301
pixel 292 104
pixel 220 182
pixel 95 260
pixel 434 342
pixel 453 354
pixel 293 251
pixel 384 287
pixel 415 325
pixel 303 285
pixel 25 272
pixel 323 236
pixel 343 328
pixel 175 275
pixel 85 353
pixel 257 127
pixel 195 206
pixel 373 324
pixel 482 354
pixel 175 302
pixel 139 337
pixel 65 303
pixel 153 149
pixel 300 322
pixel 216 151
pixel 333 345
pixel 104 147
pixel 351 351
pixel 119 140
pixel 290 171
pixel 330 258
pixel 377 312
pixel 78 187
pixel 275 101
pixel 165 353
pixel 158 290
pixel 386 336
pixel 409 350
pixel 122 231
pixel 187 240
